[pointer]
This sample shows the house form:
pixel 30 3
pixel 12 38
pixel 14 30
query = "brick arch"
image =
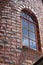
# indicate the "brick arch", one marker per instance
pixel 25 6
pixel 31 12
pixel 28 8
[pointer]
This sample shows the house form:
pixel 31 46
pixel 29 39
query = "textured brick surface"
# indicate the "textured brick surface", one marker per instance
pixel 10 29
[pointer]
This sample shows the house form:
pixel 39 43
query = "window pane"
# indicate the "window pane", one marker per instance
pixel 24 23
pixel 25 32
pixel 29 18
pixel 32 44
pixel 23 14
pixel 32 27
pixel 25 41
pixel 32 35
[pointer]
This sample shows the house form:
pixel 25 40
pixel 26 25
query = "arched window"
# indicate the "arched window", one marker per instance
pixel 29 30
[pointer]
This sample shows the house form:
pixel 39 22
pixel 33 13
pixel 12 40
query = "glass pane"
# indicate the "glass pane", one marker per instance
pixel 32 27
pixel 32 35
pixel 29 18
pixel 24 23
pixel 32 44
pixel 24 32
pixel 25 41
pixel 23 14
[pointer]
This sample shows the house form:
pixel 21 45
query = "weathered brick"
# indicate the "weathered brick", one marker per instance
pixel 11 31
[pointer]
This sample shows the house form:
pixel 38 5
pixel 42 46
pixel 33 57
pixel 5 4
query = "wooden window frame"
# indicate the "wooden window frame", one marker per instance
pixel 38 44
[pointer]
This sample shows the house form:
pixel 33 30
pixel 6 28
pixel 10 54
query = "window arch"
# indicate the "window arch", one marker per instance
pixel 30 30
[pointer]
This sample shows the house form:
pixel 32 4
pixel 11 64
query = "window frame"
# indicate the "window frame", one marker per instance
pixel 38 45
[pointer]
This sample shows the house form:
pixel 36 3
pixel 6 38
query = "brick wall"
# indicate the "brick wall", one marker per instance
pixel 10 28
